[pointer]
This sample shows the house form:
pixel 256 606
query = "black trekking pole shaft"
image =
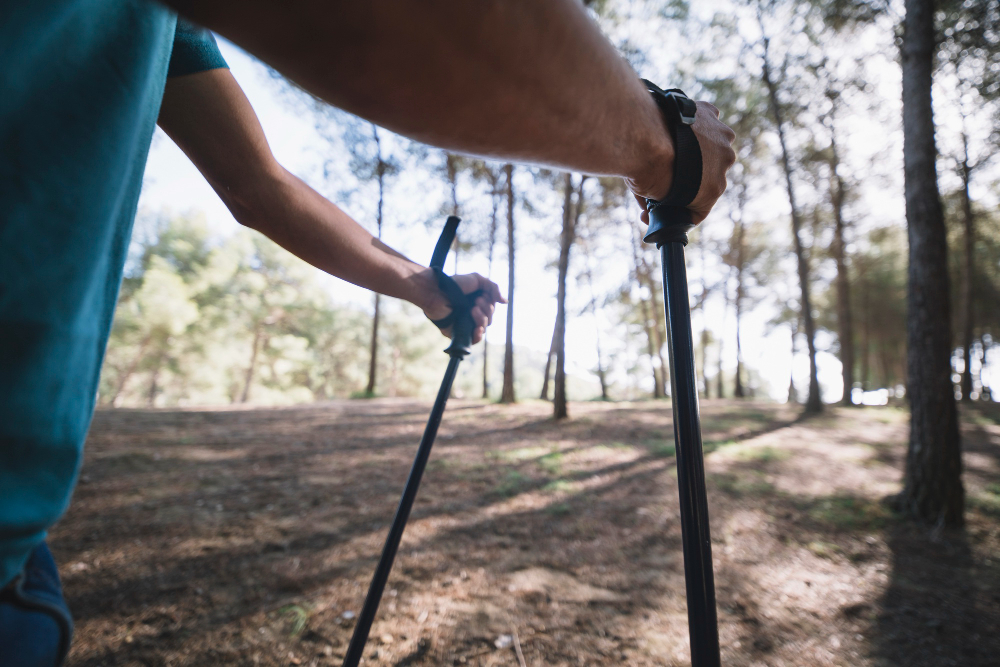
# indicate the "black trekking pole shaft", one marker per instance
pixel 374 597
pixel 670 220
pixel 461 325
pixel 695 535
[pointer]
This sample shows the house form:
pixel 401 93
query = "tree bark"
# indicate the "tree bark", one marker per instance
pixel 252 366
pixel 704 326
pixel 968 323
pixel 720 391
pixel 154 387
pixel 571 218
pixel 659 320
pixel 373 350
pixel 547 375
pixel 601 373
pixel 380 170
pixel 814 403
pixel 491 242
pixel 845 324
pixel 793 396
pixel 932 489
pixel 738 301
pixel 646 321
pixel 507 393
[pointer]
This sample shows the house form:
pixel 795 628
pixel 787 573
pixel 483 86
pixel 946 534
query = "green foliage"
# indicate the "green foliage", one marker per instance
pixel 878 295
pixel 297 617
pixel 846 513
pixel 511 484
pixel 203 322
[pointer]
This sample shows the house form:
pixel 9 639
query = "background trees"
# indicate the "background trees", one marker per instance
pixel 809 241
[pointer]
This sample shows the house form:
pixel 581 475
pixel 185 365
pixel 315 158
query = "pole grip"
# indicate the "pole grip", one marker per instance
pixel 460 318
pixel 667 224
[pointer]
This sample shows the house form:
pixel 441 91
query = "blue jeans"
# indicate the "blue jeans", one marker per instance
pixel 35 625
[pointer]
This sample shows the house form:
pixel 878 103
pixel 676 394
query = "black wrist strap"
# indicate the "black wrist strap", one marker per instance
pixel 459 320
pixel 670 220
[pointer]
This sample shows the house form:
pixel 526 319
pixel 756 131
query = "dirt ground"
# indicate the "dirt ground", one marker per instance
pixel 248 537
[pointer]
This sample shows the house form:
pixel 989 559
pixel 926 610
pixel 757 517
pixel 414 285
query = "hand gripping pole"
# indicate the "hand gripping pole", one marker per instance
pixel 669 222
pixel 462 325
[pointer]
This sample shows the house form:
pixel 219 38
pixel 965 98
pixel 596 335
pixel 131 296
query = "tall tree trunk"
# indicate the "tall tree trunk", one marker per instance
pixel 968 323
pixel 373 349
pixel 845 324
pixel 932 489
pixel 719 386
pixel 738 391
pixel 646 320
pixel 258 333
pixel 154 387
pixel 491 243
pixel 601 373
pixel 704 325
pixel 571 216
pixel 547 375
pixel 793 395
pixel 507 393
pixel 814 402
pixel 451 164
pixel 130 370
pixel 659 320
pixel 380 170
pixel 866 341
pixel 738 302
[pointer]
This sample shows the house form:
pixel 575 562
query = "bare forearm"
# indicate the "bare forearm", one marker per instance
pixel 530 80
pixel 297 218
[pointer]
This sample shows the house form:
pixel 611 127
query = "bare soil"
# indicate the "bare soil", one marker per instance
pixel 248 537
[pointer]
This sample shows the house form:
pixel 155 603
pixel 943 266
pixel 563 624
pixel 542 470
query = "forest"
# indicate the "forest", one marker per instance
pixel 256 418
pixel 813 201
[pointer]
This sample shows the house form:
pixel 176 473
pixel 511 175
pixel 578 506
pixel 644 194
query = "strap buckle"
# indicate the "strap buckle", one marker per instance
pixel 686 107
pixel 674 103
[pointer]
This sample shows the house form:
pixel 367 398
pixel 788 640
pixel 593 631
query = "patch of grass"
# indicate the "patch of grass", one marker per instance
pixel 511 484
pixel 743 485
pixel 363 394
pixel 558 486
pixel 612 446
pixel 709 446
pixel 522 453
pixel 662 449
pixel 822 549
pixel 551 462
pixel 889 415
pixel 847 513
pixel 296 616
pixel 763 454
pixel 987 501
pixel 558 509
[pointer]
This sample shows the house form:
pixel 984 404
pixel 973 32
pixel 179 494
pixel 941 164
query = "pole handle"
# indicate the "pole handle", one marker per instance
pixel 669 218
pixel 460 318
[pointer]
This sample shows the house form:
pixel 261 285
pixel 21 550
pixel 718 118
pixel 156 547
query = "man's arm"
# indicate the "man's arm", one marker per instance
pixel 210 118
pixel 527 80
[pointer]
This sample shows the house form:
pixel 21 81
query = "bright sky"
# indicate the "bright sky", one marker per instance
pixel 172 183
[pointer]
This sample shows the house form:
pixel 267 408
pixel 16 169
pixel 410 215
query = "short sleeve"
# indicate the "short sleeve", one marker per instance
pixel 194 50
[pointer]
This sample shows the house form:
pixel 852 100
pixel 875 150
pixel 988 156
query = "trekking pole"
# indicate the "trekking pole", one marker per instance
pixel 462 326
pixel 669 222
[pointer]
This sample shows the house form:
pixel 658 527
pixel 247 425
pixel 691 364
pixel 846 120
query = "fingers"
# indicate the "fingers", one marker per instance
pixel 715 139
pixel 484 305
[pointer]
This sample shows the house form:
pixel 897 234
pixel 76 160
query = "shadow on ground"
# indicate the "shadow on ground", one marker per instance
pixel 241 537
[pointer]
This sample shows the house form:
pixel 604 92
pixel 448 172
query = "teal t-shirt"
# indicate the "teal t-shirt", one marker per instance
pixel 81 83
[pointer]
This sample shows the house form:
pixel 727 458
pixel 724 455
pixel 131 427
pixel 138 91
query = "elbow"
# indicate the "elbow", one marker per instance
pixel 254 201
